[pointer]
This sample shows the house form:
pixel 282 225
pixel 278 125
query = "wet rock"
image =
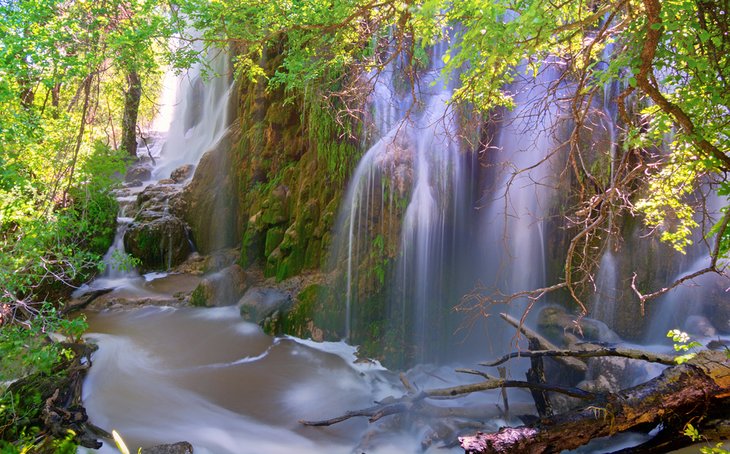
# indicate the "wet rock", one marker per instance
pixel 182 447
pixel 193 265
pixel 275 207
pixel 562 403
pixel 159 241
pixel 221 259
pixel 166 181
pixel 614 374
pixel 699 325
pixel 718 344
pixel 265 305
pixel 223 288
pixel 274 236
pixel 138 173
pixel 134 183
pixel 156 195
pixel 211 200
pixel 182 173
pixel 554 321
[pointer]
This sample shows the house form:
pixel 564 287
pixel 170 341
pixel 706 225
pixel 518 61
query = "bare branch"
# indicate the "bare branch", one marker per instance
pixel 588 353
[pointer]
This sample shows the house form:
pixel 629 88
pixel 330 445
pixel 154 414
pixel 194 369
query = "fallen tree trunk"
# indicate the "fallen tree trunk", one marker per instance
pixel 680 395
pixel 49 405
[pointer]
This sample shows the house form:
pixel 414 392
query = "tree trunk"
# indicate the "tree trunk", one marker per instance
pixel 131 108
pixel 683 394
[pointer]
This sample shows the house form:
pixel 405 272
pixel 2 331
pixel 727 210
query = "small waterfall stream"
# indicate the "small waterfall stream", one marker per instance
pixel 201 113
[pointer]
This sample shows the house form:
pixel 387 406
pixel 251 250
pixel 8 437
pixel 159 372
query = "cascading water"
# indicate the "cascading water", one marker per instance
pixel 698 306
pixel 201 115
pixel 517 201
pixel 410 205
pixel 408 197
pixel 607 289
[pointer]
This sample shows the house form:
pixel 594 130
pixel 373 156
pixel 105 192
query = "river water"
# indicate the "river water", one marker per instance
pixel 204 376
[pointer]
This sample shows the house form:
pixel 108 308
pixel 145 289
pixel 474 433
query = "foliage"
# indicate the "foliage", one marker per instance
pixel 717 449
pixel 26 348
pixel 63 70
pixel 682 343
pixel 694 434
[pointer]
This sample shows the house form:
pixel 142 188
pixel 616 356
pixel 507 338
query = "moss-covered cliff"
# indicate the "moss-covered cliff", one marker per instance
pixel 291 159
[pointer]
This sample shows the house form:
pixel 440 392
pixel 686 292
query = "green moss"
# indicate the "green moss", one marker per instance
pixel 198 298
pixel 290 265
pixel 273 239
pixel 314 253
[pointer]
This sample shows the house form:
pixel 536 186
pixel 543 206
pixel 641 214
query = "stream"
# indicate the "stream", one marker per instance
pixel 164 375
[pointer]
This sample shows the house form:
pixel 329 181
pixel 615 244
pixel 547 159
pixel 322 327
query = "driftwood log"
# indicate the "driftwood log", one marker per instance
pixel 696 392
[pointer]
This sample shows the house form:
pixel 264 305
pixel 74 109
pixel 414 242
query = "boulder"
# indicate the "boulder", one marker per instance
pixel 699 326
pixel 182 173
pixel 262 305
pixel 160 241
pixel 138 173
pixel 554 321
pixel 222 288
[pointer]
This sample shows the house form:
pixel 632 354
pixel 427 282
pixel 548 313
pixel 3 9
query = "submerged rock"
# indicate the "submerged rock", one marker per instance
pixel 222 288
pixel 181 447
pixel 265 306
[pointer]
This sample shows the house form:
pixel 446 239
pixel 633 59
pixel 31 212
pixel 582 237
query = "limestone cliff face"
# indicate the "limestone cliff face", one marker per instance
pixel 289 184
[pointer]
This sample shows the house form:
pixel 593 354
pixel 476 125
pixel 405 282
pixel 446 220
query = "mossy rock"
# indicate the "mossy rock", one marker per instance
pixel 314 316
pixel 222 288
pixel 159 243
pixel 267 307
pixel 291 265
pixel 275 206
pixel 274 236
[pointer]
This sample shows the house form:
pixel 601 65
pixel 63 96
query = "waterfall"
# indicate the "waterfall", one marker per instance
pixel 518 186
pixel 699 306
pixel 607 289
pixel 193 117
pixel 407 199
pixel 411 213
pixel 201 113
